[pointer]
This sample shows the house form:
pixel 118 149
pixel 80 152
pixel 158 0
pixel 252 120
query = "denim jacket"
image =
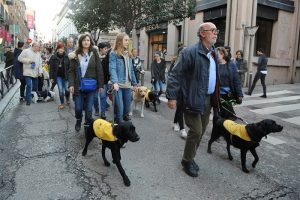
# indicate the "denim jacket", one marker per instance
pixel 117 69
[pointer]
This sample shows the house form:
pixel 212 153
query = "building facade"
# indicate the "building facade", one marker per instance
pixel 18 25
pixel 277 23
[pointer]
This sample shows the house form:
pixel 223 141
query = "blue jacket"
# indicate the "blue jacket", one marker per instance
pixel 190 77
pixel 18 66
pixel 235 83
pixel 117 69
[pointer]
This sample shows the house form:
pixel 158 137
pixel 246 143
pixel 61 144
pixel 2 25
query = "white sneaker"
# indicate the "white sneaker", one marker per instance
pixel 176 127
pixel 183 133
pixel 47 99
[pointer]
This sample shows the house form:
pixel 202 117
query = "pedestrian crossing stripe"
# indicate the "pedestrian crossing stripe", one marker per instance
pixel 276 109
pixel 270 100
pixel 293 120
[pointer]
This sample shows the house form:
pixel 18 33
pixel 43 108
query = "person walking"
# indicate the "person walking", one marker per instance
pixel 230 85
pixel 158 68
pixel 59 67
pixel 261 72
pixel 122 77
pixel 9 61
pixel 178 117
pixel 85 66
pixel 103 49
pixel 241 65
pixel 70 46
pixel 137 65
pixel 195 78
pixel 18 69
pixel 32 68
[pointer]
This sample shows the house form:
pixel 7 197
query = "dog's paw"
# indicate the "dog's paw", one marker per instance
pixel 245 170
pixel 84 153
pixel 127 181
pixel 254 164
pixel 107 164
pixel 230 157
pixel 209 151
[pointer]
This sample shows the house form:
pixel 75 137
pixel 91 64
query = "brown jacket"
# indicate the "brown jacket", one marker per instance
pixel 94 70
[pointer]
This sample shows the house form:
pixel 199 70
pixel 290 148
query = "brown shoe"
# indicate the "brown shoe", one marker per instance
pixel 61 107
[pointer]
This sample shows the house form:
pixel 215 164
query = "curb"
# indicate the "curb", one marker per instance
pixel 8 97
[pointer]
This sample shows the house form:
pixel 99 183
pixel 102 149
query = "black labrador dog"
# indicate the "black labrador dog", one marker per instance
pixel 122 132
pixel 151 97
pixel 253 135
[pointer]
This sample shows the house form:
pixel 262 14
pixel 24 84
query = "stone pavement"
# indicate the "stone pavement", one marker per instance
pixel 41 159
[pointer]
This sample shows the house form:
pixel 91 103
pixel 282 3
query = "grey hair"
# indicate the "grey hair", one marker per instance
pixel 200 29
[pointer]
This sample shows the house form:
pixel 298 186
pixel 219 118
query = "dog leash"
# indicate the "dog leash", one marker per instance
pixel 233 102
pixel 111 92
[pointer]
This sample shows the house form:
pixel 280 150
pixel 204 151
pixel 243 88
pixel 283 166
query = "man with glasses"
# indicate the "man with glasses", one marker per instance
pixel 194 80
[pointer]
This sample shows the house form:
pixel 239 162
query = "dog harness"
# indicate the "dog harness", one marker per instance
pixel 103 130
pixel 147 95
pixel 236 129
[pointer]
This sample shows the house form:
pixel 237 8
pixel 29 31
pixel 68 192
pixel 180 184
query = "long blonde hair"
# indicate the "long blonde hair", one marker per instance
pixel 119 49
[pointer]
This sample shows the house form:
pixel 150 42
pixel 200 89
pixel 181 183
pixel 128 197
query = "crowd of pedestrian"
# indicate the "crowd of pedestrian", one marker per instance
pixel 201 79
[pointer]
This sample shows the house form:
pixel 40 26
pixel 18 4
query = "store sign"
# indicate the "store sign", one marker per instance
pixel 153 27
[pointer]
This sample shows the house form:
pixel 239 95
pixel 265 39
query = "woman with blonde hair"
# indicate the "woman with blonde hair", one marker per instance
pixel 122 77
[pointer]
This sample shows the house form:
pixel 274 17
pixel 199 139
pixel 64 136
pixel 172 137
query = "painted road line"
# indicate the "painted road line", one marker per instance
pixel 281 92
pixel 273 140
pixel 263 100
pixel 277 109
pixel 293 120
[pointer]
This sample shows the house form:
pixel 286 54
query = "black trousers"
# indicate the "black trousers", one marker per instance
pixel 22 87
pixel 178 118
pixel 262 78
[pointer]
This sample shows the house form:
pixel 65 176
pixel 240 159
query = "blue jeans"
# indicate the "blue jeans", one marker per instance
pixel 31 85
pixel 158 84
pixel 103 97
pixel 84 101
pixel 122 103
pixel 62 85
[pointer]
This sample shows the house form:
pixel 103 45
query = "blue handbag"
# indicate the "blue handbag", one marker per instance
pixel 86 84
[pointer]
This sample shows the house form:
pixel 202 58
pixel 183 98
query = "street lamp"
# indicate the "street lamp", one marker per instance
pixel 250 31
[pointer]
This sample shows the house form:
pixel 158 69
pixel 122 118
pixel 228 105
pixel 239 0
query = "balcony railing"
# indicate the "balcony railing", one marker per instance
pixel 7 81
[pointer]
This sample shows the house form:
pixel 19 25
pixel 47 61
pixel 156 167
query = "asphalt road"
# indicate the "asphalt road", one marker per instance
pixel 41 159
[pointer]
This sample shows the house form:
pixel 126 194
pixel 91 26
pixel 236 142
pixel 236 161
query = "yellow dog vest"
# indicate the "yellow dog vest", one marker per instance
pixel 147 95
pixel 236 129
pixel 103 130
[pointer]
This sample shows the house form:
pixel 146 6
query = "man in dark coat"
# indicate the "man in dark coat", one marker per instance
pixel 194 80
pixel 18 69
pixel 9 61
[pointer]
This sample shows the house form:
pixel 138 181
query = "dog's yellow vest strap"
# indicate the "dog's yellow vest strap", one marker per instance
pixel 103 130
pixel 147 95
pixel 236 129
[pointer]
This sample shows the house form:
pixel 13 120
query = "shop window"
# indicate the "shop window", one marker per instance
pixel 263 37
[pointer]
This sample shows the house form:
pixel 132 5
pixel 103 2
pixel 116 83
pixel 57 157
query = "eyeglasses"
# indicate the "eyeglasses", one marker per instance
pixel 213 30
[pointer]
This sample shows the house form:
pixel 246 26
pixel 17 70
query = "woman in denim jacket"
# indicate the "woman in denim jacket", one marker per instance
pixel 122 77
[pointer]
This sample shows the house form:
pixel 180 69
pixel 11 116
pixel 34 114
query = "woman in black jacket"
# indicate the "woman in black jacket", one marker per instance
pixel 59 66
pixel 158 68
pixel 230 85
